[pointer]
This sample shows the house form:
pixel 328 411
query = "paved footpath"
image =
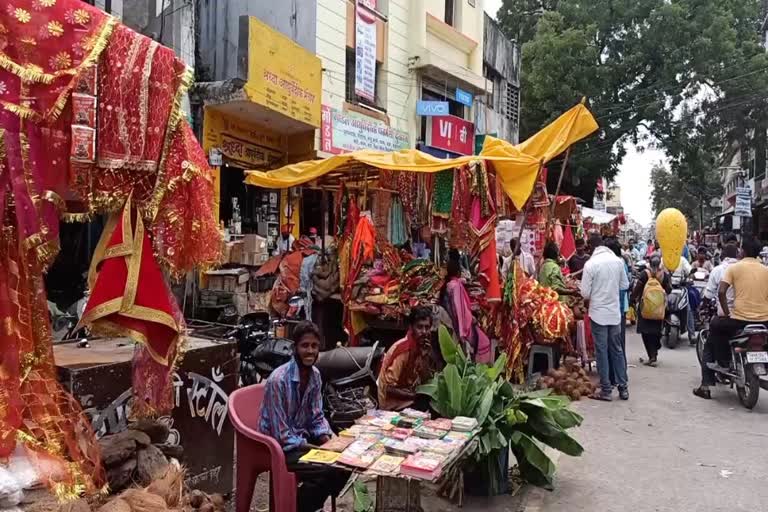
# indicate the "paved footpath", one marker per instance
pixel 664 449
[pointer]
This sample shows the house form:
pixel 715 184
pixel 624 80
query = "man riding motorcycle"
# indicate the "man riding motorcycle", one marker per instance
pixel 748 280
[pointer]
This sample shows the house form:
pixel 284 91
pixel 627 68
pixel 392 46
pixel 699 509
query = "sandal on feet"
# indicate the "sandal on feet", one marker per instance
pixel 703 393
pixel 652 363
pixel 601 396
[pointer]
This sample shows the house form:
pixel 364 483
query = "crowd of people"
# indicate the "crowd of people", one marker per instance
pixel 292 410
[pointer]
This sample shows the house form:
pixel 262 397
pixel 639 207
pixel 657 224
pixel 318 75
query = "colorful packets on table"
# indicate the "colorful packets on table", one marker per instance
pixel 405 422
pixel 387 464
pixel 361 460
pixel 439 424
pixel 464 424
pixel 413 413
pixel 426 465
pixel 429 433
pixel 396 447
pixel 399 433
pixel 338 444
pixel 316 456
pixel 445 446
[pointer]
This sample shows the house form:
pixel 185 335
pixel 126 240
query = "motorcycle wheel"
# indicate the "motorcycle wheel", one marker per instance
pixel 672 339
pixel 701 339
pixel 749 394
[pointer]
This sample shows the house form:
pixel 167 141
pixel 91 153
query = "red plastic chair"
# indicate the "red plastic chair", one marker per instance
pixel 257 453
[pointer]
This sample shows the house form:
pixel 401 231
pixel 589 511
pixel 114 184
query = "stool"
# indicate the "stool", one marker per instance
pixel 540 350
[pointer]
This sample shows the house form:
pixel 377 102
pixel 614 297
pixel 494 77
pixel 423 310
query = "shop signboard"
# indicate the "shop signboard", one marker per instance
pixel 365 54
pixel 247 145
pixel 343 132
pixel 464 97
pixel 432 108
pixel 282 75
pixel 743 205
pixel 451 133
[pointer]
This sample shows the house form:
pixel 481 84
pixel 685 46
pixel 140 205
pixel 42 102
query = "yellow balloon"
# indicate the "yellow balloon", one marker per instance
pixel 671 232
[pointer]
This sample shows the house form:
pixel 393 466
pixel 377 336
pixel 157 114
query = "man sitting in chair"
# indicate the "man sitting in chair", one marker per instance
pixel 292 413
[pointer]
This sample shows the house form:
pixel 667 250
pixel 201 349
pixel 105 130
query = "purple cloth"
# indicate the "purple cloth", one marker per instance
pixel 288 417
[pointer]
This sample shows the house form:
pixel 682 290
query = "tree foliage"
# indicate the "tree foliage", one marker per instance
pixel 640 63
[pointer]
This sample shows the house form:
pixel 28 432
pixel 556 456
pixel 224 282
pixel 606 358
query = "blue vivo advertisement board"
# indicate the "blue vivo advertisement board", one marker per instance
pixel 432 108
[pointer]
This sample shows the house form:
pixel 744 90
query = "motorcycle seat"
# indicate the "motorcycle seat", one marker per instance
pixel 747 331
pixel 342 361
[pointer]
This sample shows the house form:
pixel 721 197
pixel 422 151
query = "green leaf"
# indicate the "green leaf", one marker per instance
pixel 362 500
pixel 533 463
pixel 567 418
pixel 506 390
pixel 562 442
pixel 485 405
pixel 455 388
pixel 494 371
pixel 429 389
pixel 541 421
pixel 541 393
pixel 452 353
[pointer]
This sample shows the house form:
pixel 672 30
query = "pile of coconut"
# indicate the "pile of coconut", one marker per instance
pixel 570 380
pixel 164 494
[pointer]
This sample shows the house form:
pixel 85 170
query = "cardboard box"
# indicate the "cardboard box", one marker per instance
pixel 254 244
pixel 254 259
pixel 236 252
pixel 228 280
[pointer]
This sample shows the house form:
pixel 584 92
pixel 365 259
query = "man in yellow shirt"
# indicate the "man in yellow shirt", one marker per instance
pixel 749 280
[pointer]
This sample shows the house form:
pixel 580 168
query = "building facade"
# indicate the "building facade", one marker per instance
pixel 281 82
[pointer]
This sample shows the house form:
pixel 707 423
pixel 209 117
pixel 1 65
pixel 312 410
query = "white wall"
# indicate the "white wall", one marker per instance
pixel 401 84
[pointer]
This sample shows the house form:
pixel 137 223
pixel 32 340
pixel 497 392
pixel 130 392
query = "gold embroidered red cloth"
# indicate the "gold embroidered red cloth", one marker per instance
pixel 89 114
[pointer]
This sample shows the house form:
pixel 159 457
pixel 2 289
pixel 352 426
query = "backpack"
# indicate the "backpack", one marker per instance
pixel 654 301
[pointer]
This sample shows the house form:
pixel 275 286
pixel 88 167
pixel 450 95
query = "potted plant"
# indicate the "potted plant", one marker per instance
pixel 508 419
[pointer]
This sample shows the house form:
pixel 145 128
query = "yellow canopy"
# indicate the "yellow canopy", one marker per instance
pixel 516 166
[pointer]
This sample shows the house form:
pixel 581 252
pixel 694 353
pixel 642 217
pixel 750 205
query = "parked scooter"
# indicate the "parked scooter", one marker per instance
pixel 675 319
pixel 748 367
pixel 64 323
pixel 349 374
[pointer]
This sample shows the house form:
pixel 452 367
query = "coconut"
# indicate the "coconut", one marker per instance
pixel 218 501
pixel 170 486
pixel 115 505
pixel 142 501
pixel 196 499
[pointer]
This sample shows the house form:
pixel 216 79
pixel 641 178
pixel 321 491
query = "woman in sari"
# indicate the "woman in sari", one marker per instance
pixel 455 300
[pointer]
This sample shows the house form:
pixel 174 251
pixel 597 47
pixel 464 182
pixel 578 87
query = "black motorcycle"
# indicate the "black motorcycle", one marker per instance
pixel 748 367
pixel 349 374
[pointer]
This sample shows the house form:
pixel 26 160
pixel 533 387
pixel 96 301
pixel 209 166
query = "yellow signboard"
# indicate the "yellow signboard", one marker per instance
pixel 282 75
pixel 253 146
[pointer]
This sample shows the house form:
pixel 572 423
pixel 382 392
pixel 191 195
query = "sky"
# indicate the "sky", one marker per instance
pixel 635 175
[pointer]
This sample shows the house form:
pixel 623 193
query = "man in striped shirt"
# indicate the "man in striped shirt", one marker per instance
pixel 292 413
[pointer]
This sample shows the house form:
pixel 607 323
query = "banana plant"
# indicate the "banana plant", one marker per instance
pixel 522 421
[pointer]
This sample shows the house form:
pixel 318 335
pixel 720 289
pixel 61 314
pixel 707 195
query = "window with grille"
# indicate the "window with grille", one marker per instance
pixel 512 103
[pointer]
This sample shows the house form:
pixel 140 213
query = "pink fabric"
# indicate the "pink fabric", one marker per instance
pixel 461 307
pixel 258 453
pixel 558 234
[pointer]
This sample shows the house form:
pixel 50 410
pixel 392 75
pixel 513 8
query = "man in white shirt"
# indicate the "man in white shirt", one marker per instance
pixel 603 278
pixel 730 255
pixel 526 260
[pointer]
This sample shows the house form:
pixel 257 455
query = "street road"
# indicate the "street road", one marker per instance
pixel 664 449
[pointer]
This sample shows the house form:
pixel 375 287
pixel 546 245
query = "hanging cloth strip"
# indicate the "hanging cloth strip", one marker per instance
pixel 398 234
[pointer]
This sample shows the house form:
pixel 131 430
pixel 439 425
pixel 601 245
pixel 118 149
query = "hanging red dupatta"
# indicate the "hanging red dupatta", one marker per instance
pixel 64 65
pixel 129 297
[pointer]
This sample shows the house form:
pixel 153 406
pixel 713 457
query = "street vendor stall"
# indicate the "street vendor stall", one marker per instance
pixel 398 213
